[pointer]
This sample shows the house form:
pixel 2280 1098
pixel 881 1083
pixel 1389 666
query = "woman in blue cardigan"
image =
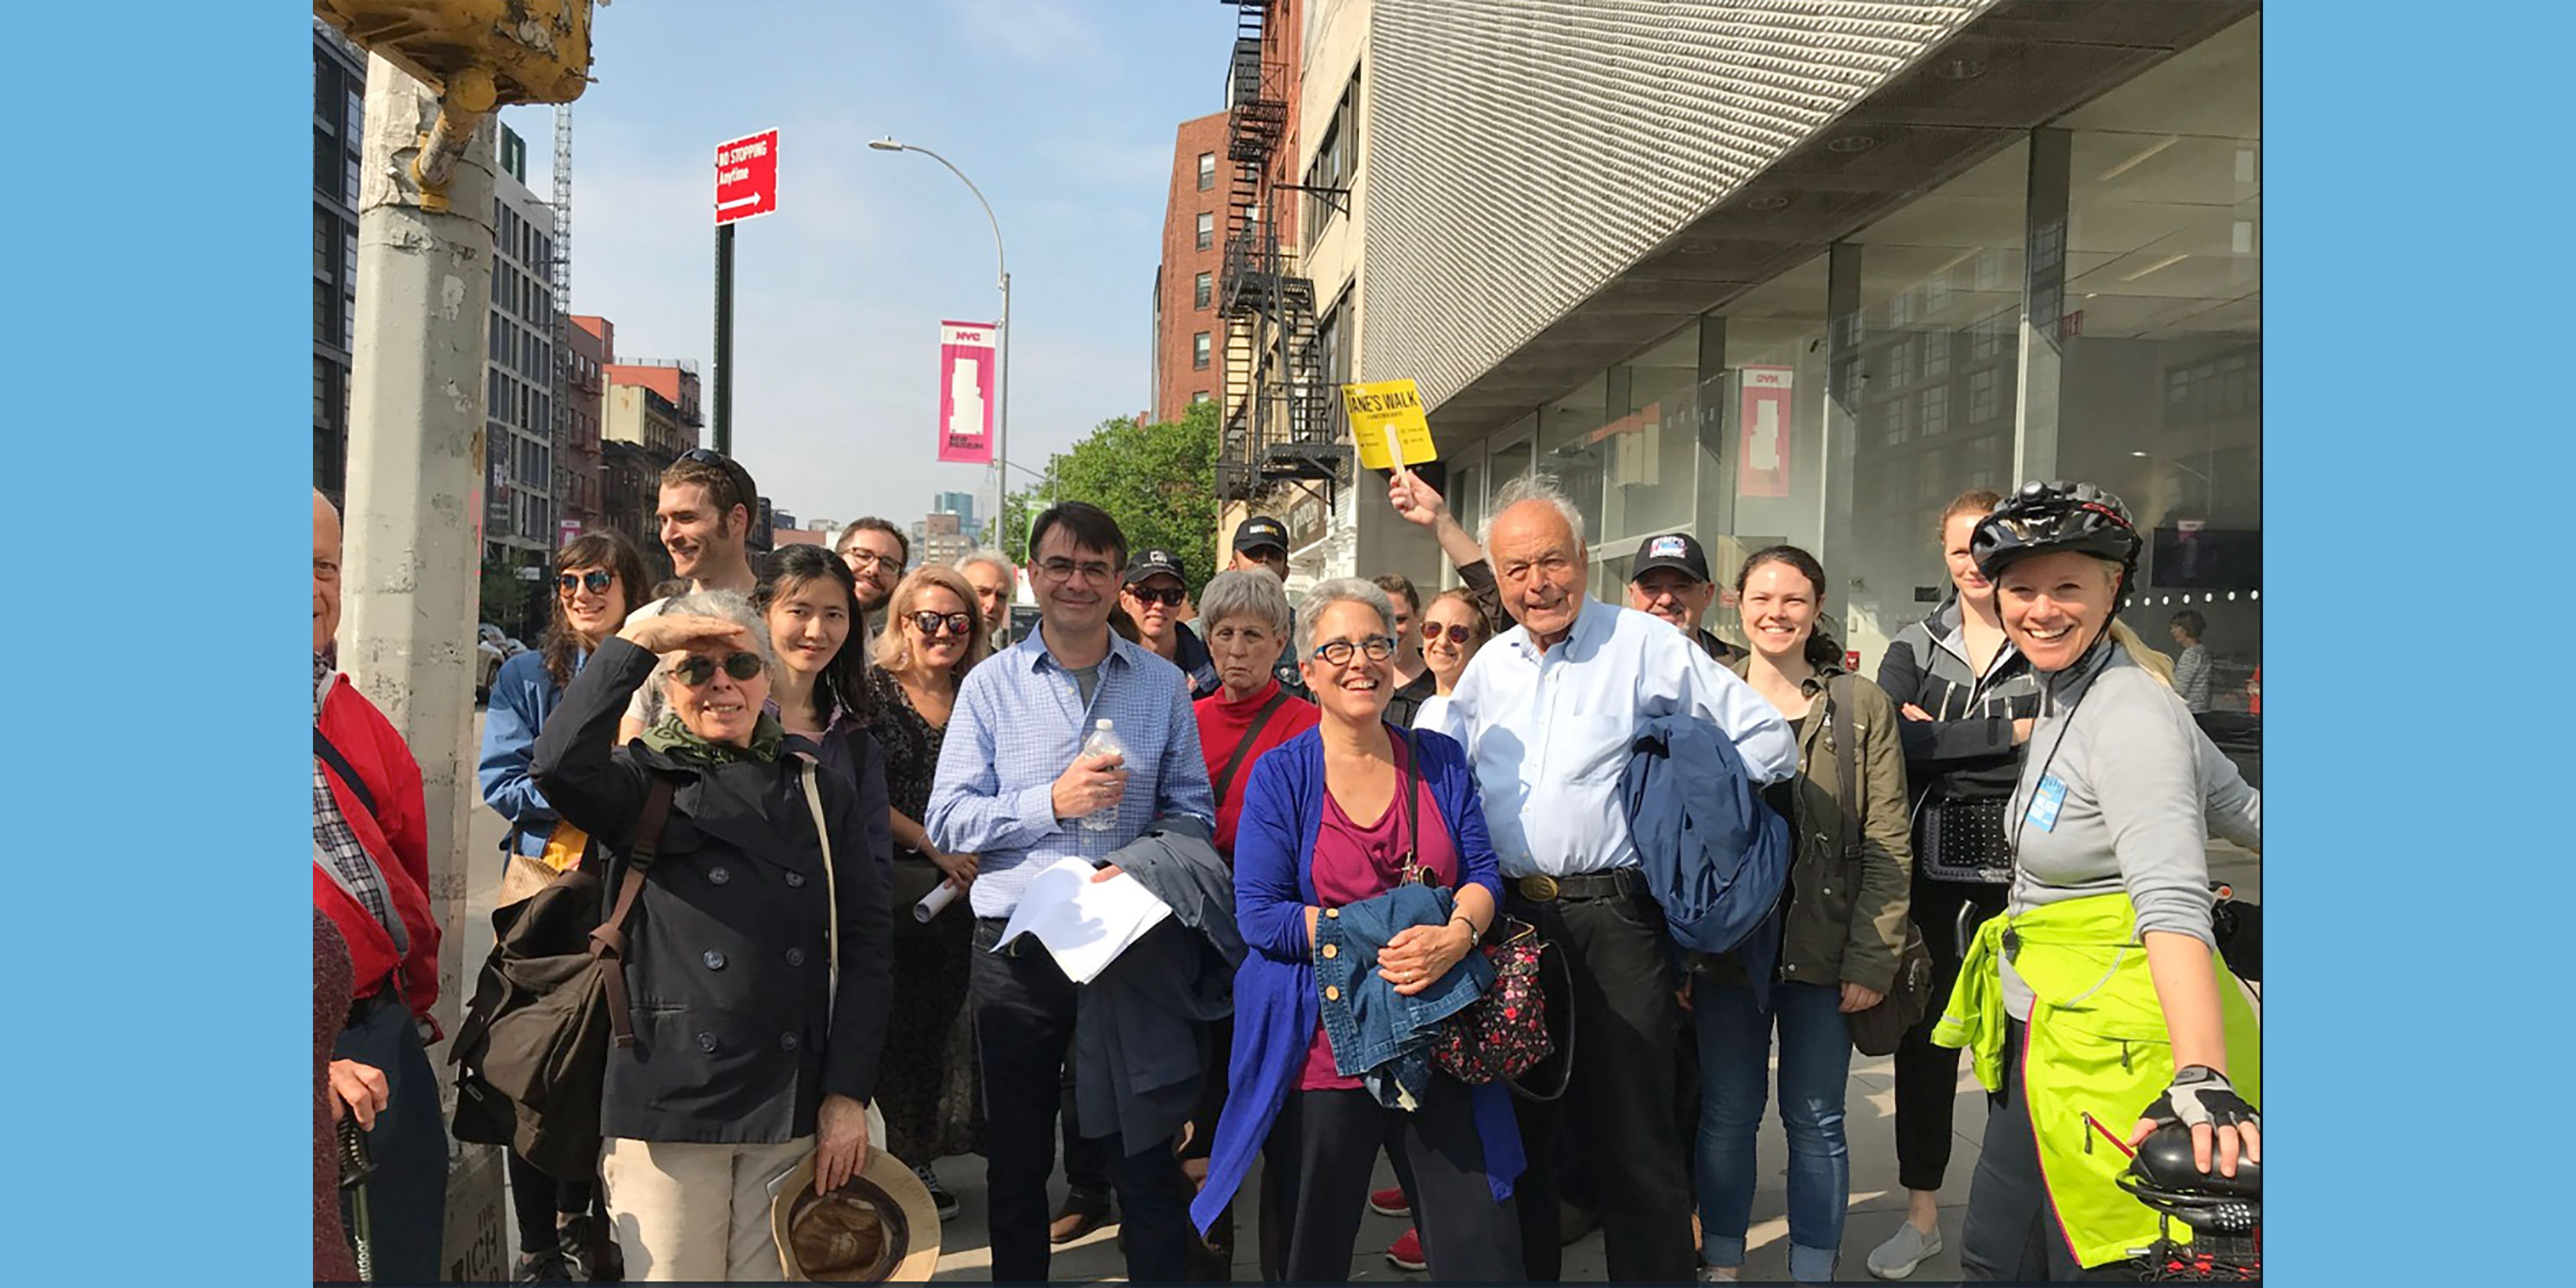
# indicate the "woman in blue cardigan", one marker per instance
pixel 1324 826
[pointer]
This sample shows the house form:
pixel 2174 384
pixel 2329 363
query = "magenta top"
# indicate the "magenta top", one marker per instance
pixel 1356 862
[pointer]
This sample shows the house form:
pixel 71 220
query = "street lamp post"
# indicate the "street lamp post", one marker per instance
pixel 1002 380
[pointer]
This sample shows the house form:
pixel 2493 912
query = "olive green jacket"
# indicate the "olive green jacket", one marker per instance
pixel 1846 915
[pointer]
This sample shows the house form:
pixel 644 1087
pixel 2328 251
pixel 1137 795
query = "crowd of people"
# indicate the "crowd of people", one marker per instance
pixel 809 792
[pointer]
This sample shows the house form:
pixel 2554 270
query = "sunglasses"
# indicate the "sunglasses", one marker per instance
pixel 1455 632
pixel 1168 596
pixel 929 623
pixel 595 581
pixel 697 669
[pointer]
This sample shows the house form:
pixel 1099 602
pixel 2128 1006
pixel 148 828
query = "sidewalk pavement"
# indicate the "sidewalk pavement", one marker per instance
pixel 1876 1205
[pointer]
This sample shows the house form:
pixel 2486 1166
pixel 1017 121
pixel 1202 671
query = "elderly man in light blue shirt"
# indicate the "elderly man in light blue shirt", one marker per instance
pixel 1012 789
pixel 1548 710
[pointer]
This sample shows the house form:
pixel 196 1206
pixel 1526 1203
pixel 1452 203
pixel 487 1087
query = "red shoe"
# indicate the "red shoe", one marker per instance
pixel 1390 1202
pixel 1406 1252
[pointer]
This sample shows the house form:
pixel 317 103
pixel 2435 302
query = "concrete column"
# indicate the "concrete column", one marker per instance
pixel 416 421
pixel 2043 312
pixel 1715 501
pixel 1844 336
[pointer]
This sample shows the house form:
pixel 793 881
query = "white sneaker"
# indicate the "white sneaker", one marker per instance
pixel 1717 1274
pixel 1903 1251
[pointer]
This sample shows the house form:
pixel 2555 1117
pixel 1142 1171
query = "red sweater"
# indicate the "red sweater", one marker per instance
pixel 1222 726
pixel 397 835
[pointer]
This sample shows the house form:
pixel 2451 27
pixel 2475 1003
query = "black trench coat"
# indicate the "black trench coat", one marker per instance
pixel 726 971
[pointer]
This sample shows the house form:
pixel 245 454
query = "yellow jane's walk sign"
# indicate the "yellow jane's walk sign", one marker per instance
pixel 1387 424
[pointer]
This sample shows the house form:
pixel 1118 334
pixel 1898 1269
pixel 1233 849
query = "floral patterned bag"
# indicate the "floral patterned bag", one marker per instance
pixel 1505 1033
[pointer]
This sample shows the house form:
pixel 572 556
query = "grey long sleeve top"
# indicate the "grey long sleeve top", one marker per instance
pixel 2122 759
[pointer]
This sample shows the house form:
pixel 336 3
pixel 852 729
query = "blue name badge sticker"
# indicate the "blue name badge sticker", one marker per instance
pixel 2045 802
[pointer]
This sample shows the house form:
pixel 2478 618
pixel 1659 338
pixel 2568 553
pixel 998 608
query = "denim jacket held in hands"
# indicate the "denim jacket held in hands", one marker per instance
pixel 1379 1035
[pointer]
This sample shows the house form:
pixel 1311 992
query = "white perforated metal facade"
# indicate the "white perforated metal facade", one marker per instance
pixel 1523 152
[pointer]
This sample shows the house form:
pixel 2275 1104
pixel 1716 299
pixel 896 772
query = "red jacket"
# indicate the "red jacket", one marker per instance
pixel 396 834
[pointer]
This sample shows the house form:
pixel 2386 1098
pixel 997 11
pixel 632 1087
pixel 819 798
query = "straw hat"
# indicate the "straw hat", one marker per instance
pixel 878 1227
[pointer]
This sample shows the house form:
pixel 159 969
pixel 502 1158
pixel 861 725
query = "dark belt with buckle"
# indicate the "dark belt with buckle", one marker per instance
pixel 1618 883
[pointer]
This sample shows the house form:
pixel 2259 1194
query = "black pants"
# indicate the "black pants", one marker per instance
pixel 407 1193
pixel 2012 1235
pixel 1927 1076
pixel 1024 1013
pixel 1315 1180
pixel 1619 1105
pixel 539 1200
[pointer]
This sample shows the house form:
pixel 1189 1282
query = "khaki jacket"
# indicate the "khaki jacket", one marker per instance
pixel 1845 916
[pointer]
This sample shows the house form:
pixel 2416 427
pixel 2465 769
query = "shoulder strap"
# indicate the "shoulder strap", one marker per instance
pixel 831 892
pixel 1838 701
pixel 1405 786
pixel 1243 749
pixel 340 765
pixel 608 943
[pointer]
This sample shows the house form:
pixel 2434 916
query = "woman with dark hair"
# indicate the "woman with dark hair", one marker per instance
pixel 598 580
pixel 1842 929
pixel 810 602
pixel 1968 700
pixel 933 635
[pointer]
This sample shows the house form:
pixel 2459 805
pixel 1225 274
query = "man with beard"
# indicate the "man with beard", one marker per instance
pixel 1669 579
pixel 877 552
pixel 706 515
pixel 1152 595
pixel 995 582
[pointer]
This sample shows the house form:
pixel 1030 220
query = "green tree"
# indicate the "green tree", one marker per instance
pixel 1157 480
pixel 504 595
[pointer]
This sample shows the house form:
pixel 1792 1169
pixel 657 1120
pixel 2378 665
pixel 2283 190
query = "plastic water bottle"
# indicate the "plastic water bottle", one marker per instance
pixel 1102 742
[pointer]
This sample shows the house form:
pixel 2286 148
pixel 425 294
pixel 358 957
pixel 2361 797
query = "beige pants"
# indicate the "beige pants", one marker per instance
pixel 696 1213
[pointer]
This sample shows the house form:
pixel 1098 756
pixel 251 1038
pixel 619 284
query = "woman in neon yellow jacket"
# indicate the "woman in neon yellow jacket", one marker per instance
pixel 2096 1007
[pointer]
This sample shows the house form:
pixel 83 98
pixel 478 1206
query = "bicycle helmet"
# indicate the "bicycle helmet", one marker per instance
pixel 2046 518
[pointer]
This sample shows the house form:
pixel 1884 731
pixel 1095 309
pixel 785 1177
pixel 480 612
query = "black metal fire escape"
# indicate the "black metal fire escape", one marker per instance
pixel 1280 423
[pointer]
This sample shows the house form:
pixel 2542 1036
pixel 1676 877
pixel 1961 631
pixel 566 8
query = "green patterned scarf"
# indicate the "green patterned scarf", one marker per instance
pixel 670 736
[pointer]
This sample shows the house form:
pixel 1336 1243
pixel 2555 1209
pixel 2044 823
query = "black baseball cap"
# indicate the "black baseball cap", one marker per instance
pixel 1671 550
pixel 1149 563
pixel 1261 532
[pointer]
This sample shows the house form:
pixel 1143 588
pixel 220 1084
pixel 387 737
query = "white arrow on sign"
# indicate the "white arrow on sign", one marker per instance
pixel 752 200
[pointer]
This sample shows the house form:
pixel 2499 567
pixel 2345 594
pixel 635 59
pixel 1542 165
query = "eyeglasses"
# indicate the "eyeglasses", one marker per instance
pixel 1064 569
pixel 1377 648
pixel 1455 632
pixel 1168 596
pixel 858 559
pixel 697 669
pixel 930 623
pixel 595 581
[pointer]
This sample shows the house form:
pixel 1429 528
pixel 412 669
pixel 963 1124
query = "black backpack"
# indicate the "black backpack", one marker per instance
pixel 532 1053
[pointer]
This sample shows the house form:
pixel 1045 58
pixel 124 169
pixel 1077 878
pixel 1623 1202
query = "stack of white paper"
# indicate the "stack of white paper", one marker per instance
pixel 1084 923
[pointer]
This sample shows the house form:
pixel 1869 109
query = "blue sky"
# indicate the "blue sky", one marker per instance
pixel 1063 112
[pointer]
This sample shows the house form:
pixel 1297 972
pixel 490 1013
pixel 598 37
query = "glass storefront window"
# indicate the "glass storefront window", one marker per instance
pixel 1765 461
pixel 1940 295
pixel 2161 393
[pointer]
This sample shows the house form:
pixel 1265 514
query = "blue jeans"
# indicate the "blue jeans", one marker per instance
pixel 1815 1060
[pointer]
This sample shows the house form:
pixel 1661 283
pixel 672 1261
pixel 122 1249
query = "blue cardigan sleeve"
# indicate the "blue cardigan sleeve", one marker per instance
pixel 1269 902
pixel 510 743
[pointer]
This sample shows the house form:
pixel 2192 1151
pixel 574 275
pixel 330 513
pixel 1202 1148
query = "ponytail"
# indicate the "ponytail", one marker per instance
pixel 2156 664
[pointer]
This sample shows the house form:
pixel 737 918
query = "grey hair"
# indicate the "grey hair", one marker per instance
pixel 1249 592
pixel 1341 590
pixel 990 558
pixel 1532 487
pixel 732 606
